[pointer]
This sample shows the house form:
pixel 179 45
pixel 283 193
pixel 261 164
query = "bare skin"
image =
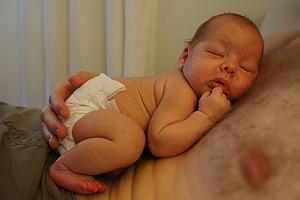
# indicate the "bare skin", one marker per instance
pixel 132 122
pixel 213 70
pixel 256 159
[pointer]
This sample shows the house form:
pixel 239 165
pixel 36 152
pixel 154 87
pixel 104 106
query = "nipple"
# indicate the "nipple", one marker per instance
pixel 256 168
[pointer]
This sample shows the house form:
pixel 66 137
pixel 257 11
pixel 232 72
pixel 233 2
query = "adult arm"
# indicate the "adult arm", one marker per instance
pixel 52 126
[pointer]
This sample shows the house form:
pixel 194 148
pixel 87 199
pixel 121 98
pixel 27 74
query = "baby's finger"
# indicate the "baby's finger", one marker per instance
pixel 217 90
pixel 227 104
pixel 54 125
pixel 225 96
pixel 205 94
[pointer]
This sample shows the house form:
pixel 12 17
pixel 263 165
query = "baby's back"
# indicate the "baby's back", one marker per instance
pixel 141 97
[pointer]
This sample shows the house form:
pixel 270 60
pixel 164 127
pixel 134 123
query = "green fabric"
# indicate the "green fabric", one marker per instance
pixel 25 157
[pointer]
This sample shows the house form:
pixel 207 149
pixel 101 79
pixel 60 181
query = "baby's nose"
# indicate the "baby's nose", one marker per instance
pixel 228 67
pixel 256 168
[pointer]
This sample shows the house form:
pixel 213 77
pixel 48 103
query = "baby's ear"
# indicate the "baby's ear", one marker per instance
pixel 184 55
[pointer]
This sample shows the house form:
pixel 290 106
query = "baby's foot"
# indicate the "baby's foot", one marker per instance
pixel 82 184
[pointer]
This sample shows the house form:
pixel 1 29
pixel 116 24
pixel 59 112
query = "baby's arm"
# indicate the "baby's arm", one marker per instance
pixel 175 126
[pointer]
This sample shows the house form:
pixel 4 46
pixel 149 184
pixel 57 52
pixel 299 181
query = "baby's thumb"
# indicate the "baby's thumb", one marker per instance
pixel 217 90
pixel 205 94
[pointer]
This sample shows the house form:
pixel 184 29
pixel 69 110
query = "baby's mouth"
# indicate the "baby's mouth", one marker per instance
pixel 220 82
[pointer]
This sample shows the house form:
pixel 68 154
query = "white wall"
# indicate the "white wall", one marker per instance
pixel 9 45
pixel 179 19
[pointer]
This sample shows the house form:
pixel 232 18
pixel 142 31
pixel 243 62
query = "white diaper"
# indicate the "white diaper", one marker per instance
pixel 91 96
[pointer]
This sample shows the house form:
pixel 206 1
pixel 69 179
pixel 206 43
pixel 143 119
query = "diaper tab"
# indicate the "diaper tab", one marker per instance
pixel 110 87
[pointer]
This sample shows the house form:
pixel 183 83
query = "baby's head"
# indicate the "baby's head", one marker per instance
pixel 225 52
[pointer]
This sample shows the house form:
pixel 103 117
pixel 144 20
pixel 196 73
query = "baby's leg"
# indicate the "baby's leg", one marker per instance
pixel 106 140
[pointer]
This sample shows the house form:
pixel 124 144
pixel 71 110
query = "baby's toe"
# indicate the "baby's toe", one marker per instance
pixel 84 186
pixel 102 187
pixel 95 188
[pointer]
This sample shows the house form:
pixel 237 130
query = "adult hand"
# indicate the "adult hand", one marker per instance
pixel 56 109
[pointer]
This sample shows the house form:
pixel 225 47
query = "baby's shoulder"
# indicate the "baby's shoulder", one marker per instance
pixel 177 82
pixel 178 88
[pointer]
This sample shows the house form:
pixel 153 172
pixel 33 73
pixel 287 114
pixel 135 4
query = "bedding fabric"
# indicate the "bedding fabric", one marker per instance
pixel 25 157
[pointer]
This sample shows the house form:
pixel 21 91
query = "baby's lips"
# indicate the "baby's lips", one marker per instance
pixel 213 84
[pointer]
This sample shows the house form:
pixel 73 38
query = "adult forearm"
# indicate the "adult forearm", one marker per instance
pixel 178 137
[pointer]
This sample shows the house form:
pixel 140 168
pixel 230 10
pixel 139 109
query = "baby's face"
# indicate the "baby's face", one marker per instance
pixel 227 57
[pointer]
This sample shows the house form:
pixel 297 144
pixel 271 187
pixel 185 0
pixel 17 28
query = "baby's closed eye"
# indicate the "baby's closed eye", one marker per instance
pixel 216 52
pixel 248 68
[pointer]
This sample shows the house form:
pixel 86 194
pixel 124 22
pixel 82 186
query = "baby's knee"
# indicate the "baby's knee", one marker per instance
pixel 133 144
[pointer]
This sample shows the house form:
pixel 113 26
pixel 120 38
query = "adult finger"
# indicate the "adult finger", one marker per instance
pixel 57 103
pixel 58 97
pixel 51 139
pixel 80 78
pixel 53 123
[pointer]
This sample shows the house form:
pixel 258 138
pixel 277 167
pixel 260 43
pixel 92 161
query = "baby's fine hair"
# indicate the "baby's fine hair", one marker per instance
pixel 203 28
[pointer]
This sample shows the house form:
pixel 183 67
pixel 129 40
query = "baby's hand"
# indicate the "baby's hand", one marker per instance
pixel 214 104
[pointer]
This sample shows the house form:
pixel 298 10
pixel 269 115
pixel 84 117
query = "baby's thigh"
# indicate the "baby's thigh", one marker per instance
pixel 108 124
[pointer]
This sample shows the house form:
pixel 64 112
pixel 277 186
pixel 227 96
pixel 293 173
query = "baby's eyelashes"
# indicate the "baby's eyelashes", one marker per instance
pixel 216 49
pixel 247 69
pixel 217 53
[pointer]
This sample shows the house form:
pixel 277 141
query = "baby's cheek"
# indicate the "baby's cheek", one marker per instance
pixel 238 89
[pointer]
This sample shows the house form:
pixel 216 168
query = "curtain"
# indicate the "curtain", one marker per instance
pixel 42 42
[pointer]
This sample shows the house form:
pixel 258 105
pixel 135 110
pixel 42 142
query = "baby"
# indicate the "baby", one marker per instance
pixel 112 119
